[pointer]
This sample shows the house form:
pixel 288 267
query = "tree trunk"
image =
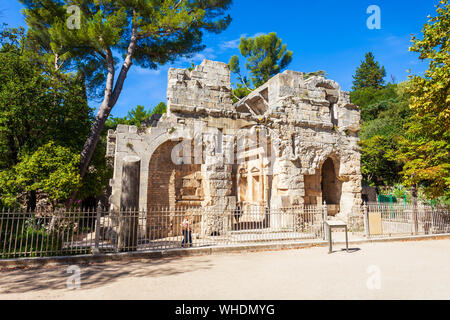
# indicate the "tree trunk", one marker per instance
pixel 111 96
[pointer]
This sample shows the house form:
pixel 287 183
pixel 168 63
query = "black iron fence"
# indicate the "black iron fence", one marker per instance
pixel 97 231
pixel 38 234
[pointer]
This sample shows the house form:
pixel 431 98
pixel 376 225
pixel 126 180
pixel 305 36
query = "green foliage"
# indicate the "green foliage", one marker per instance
pixel 40 105
pixel 319 73
pixel 147 33
pixel 384 113
pixel 33 236
pixel 136 116
pixel 97 178
pixel 369 74
pixel 376 167
pixel 160 108
pixel 52 169
pixel 234 64
pixel 425 148
pixel 400 192
pixel 239 93
pixel 372 101
pixel 266 56
pixel 191 67
pixel 9 189
pixel 36 103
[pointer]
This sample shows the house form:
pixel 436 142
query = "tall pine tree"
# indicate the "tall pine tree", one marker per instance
pixel 369 74
pixel 266 56
pixel 145 32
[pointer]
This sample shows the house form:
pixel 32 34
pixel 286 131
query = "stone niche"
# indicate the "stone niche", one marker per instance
pixel 291 142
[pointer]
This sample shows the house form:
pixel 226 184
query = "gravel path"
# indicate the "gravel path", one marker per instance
pixel 397 270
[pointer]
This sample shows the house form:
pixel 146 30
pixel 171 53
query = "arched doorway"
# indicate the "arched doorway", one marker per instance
pixel 172 188
pixel 173 185
pixel 331 187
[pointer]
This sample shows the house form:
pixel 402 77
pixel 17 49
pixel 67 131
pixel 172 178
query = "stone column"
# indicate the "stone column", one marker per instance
pixel 129 204
pixel 217 184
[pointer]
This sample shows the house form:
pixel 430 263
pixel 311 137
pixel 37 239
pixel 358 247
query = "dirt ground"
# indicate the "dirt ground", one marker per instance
pixel 392 270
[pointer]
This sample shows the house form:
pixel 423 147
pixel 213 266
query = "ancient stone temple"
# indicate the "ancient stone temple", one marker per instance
pixel 291 142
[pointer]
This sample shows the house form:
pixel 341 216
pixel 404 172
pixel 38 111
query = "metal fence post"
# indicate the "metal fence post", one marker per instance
pixel 325 217
pixel 366 220
pixel 414 209
pixel 97 229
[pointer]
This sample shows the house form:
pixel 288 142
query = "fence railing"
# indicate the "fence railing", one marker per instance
pixel 31 234
pixel 397 219
pixel 37 234
pixel 74 232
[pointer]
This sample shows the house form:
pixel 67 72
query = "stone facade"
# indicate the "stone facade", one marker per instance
pixel 290 142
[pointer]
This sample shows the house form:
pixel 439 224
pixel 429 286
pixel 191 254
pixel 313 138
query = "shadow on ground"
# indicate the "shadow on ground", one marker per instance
pixel 94 275
pixel 350 250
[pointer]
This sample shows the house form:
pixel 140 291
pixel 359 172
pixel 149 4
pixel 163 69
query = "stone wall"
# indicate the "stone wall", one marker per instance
pixel 203 90
pixel 195 154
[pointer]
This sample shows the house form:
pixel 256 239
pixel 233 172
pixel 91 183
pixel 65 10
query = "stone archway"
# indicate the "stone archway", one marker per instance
pixel 173 185
pixel 161 174
pixel 324 185
pixel 171 189
pixel 331 186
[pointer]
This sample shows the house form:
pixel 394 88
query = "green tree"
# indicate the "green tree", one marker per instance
pixel 52 169
pixel 136 116
pixel 147 33
pixel 39 104
pixel 425 148
pixel 386 113
pixel 160 108
pixel 372 100
pixel 265 57
pixel 369 74
pixel 376 168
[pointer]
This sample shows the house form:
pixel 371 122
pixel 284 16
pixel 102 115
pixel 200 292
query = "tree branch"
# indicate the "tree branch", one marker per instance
pixel 125 66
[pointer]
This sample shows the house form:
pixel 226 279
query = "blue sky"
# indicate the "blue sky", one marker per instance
pixel 325 35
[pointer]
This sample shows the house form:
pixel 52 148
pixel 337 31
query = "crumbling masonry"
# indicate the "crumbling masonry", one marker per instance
pixel 291 142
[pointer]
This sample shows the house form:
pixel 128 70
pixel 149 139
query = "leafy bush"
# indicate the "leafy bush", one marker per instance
pixel 28 238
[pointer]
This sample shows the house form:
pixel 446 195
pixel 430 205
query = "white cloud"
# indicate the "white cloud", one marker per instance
pixel 232 44
pixel 257 34
pixel 144 71
pixel 208 54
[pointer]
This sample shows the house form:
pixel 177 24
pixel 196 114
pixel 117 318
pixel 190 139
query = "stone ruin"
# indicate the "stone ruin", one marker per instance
pixel 291 142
